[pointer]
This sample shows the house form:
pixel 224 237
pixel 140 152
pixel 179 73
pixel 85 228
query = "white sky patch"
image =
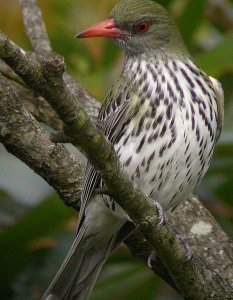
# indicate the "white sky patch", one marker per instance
pixel 201 228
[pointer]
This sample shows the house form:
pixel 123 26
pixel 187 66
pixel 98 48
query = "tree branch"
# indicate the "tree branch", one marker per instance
pixel 9 74
pixel 35 27
pixel 36 32
pixel 205 237
pixel 35 104
pixel 23 136
pixel 45 76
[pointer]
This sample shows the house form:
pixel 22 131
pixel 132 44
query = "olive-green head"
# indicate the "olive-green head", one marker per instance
pixel 140 26
pixel 147 26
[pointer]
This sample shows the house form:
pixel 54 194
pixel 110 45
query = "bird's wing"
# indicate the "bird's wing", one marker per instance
pixel 114 112
pixel 220 105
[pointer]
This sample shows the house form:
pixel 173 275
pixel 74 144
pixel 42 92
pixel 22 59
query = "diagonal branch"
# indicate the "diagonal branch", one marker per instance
pixel 36 32
pixel 45 76
pixel 35 27
pixel 9 74
pixel 23 136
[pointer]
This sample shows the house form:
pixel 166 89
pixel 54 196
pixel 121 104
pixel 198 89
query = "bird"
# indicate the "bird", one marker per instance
pixel 163 117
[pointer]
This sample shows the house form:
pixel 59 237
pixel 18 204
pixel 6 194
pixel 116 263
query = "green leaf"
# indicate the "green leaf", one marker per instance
pixel 164 3
pixel 219 59
pixel 125 281
pixel 9 209
pixel 191 19
pixel 16 242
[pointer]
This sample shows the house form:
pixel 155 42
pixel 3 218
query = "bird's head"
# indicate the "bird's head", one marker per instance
pixel 139 26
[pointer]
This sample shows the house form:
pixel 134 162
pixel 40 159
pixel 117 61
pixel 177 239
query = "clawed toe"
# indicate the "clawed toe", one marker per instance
pixel 188 250
pixel 151 259
pixel 161 217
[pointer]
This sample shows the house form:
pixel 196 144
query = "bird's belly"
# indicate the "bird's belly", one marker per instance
pixel 167 171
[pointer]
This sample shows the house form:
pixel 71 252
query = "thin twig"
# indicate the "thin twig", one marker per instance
pixel 9 74
pixel 23 136
pixel 35 27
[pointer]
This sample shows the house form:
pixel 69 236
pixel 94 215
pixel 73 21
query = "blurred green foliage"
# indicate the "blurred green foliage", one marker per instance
pixel 35 238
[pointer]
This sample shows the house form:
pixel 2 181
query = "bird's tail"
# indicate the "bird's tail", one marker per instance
pixel 79 272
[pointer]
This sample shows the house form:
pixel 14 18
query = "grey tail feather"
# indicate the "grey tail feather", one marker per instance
pixel 79 272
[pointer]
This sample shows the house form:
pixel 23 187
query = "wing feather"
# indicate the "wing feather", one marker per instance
pixel 113 114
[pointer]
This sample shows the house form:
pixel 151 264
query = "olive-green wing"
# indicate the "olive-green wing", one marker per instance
pixel 115 111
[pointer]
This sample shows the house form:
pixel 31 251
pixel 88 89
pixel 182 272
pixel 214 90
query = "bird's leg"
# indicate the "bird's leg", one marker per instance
pixel 152 258
pixel 161 221
pixel 184 242
pixel 161 217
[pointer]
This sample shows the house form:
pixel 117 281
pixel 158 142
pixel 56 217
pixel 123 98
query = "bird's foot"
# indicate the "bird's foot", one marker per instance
pixel 161 217
pixel 188 250
pixel 151 259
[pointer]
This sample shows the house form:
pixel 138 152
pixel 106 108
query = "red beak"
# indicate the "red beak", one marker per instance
pixel 102 29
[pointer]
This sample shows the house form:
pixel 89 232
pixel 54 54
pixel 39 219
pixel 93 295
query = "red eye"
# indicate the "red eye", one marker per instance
pixel 142 27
